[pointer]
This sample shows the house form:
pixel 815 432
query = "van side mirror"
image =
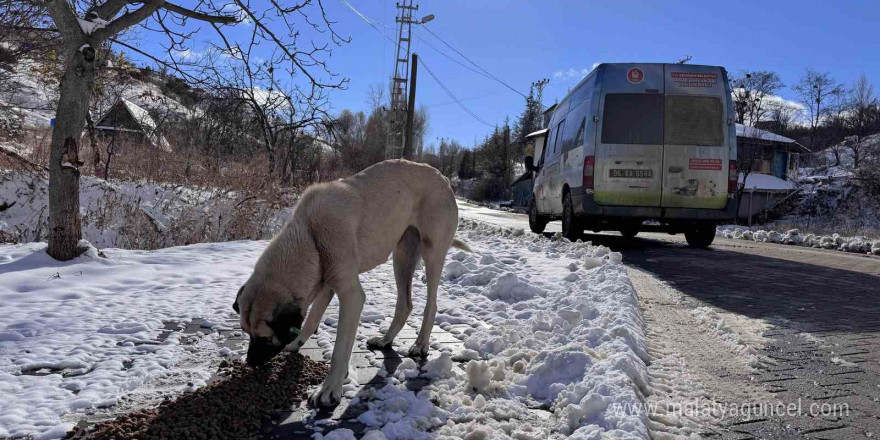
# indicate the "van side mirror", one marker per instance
pixel 530 163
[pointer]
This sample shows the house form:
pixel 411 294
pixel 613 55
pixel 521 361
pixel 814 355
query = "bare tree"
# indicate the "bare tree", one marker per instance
pixel 816 92
pixel 751 92
pixel 783 114
pixel 862 104
pixel 86 25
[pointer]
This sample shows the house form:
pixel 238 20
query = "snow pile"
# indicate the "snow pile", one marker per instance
pixel 710 319
pixel 858 244
pixel 547 354
pixel 83 334
pixel 137 215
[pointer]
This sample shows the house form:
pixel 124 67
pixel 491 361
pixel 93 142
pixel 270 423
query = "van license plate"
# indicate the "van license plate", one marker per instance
pixel 631 174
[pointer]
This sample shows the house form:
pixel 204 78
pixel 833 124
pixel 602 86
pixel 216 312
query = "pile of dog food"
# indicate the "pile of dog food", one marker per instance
pixel 232 407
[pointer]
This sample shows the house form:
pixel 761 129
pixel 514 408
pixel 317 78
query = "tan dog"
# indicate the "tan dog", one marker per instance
pixel 339 230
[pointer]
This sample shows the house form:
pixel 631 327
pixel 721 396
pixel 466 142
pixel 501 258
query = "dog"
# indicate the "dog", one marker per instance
pixel 339 230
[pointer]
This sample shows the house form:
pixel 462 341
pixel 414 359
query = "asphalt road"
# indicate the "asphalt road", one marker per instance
pixel 824 307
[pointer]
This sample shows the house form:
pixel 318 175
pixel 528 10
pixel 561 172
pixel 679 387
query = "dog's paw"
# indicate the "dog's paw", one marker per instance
pixel 418 350
pixel 378 342
pixel 326 397
pixel 296 345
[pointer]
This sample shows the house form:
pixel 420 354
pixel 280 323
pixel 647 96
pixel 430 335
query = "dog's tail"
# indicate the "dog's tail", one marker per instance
pixel 460 244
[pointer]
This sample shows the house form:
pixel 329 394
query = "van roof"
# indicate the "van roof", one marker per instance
pixel 601 65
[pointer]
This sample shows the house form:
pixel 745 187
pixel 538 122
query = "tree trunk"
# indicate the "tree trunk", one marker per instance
pixel 65 229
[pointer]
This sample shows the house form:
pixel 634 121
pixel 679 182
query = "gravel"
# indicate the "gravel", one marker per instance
pixel 232 407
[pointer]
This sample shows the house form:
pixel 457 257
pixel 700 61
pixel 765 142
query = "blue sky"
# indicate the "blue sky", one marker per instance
pixel 519 42
pixel 523 41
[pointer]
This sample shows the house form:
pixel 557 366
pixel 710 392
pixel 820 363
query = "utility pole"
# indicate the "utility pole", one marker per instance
pixel 540 86
pixel 400 81
pixel 411 109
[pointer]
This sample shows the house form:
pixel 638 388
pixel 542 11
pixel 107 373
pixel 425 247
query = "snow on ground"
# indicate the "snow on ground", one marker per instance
pixel 85 331
pixel 862 245
pixel 133 215
pixel 552 330
pixel 554 345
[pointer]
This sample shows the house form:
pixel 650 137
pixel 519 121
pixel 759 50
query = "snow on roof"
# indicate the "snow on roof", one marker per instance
pixel 747 131
pixel 146 121
pixel 766 182
pixel 537 133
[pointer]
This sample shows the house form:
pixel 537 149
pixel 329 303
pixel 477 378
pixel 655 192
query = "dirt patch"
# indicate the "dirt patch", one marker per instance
pixel 233 407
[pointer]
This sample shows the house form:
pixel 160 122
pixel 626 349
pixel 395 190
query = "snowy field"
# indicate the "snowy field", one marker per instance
pixel 860 245
pixel 554 337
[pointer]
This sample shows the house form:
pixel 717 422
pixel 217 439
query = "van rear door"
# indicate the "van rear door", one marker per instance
pixel 696 153
pixel 629 144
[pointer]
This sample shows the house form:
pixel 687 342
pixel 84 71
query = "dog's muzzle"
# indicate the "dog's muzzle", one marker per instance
pixel 262 350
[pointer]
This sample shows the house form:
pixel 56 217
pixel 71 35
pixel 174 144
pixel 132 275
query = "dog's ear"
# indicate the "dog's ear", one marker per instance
pixel 235 304
pixel 286 322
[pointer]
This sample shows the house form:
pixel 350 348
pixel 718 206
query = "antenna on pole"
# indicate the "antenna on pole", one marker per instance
pixel 684 60
pixel 540 86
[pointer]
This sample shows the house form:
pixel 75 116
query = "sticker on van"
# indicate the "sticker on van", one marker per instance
pixel 694 79
pixel 704 164
pixel 635 75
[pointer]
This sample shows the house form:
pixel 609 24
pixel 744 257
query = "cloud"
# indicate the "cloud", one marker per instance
pixel 187 54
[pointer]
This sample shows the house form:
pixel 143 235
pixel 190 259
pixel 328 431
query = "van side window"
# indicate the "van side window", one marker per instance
pixel 633 118
pixel 579 138
pixel 557 143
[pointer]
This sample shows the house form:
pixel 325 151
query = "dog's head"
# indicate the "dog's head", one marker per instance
pixel 272 318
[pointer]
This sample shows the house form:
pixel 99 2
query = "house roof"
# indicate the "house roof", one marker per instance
pixel 537 133
pixel 143 119
pixel 749 132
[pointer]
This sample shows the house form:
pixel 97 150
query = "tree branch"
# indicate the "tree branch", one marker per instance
pixel 64 19
pixel 108 9
pixel 171 7
pixel 128 20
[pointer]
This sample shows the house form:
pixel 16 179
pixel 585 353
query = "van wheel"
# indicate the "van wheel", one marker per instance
pixel 700 237
pixel 629 232
pixel 572 228
pixel 536 223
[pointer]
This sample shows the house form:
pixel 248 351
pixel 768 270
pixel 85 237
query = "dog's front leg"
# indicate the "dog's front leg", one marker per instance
pixel 316 312
pixel 351 303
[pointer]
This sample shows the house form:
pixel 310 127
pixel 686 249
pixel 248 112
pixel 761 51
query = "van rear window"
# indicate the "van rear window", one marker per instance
pixel 633 118
pixel 694 120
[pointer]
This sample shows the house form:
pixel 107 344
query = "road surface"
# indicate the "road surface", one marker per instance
pixel 821 309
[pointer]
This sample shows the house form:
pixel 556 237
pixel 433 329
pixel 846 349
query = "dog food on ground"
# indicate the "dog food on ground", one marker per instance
pixel 233 407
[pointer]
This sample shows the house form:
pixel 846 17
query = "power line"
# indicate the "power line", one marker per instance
pixel 450 58
pixel 489 75
pixel 455 99
pixel 452 95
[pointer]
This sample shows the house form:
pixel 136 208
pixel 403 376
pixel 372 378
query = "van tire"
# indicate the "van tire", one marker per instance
pixel 700 237
pixel 536 223
pixel 629 232
pixel 572 227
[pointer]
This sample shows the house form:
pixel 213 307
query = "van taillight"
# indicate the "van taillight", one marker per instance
pixel 732 177
pixel 589 166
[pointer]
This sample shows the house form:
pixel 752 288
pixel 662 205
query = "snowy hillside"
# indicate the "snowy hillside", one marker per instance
pixel 34 101
pixel 135 215
pixel 552 331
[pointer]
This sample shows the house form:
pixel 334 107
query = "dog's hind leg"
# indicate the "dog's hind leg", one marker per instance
pixel 316 312
pixel 434 257
pixel 406 258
